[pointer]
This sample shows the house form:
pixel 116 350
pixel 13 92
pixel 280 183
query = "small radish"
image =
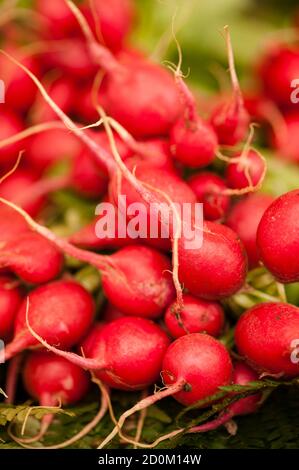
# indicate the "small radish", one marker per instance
pixel 53 381
pixel 247 170
pixel 10 300
pixel 145 291
pixel 264 336
pixel 208 188
pixel 194 367
pixel 278 237
pixel 230 119
pixel 277 70
pixel 112 21
pixel 63 92
pixel 139 94
pixel 20 92
pixel 10 124
pixel 17 185
pixel 193 141
pixel 244 219
pixel 197 316
pixel 49 317
pixel 217 269
pixel 42 153
pixel 116 364
pixel 31 257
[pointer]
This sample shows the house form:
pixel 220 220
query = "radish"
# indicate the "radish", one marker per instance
pixel 193 368
pixel 53 381
pixel 264 336
pixel 244 219
pixel 11 224
pixel 139 94
pixel 218 268
pixel 145 291
pixel 277 70
pixel 50 319
pixel 42 153
pixel 285 142
pixel 197 316
pixel 247 170
pixel 193 141
pixel 230 119
pixel 278 237
pixel 20 92
pixel 87 177
pixel 10 124
pixel 60 22
pixel 17 186
pixel 10 300
pixel 208 188
pixel 113 21
pixel 109 356
pixel 31 257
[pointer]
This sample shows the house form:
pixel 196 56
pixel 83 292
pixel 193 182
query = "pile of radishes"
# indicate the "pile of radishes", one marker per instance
pixel 88 113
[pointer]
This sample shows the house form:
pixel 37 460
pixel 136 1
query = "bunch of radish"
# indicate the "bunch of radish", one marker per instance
pixel 89 117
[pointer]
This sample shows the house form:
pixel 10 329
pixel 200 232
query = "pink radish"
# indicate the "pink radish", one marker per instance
pixel 278 237
pixel 48 316
pixel 218 268
pixel 53 381
pixel 244 219
pixel 230 118
pixel 208 188
pixel 30 256
pixel 193 368
pixel 10 300
pixel 247 172
pixel 264 336
pixel 197 316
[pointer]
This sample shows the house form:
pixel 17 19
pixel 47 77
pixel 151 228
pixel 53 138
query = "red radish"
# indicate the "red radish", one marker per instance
pixel 53 381
pixel 193 368
pixel 19 89
pixel 197 316
pixel 10 300
pixel 145 291
pixel 111 313
pixel 113 21
pixel 217 269
pixel 277 70
pixel 208 188
pixel 87 177
pixel 230 118
pixel 286 141
pixel 30 256
pixel 278 237
pixel 84 108
pixel 42 153
pixel 264 336
pixel 156 152
pixel 49 317
pixel 60 23
pixel 19 184
pixel 72 58
pixel 247 172
pixel 12 224
pixel 244 219
pixel 10 124
pixel 114 363
pixel 155 105
pixel 63 92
